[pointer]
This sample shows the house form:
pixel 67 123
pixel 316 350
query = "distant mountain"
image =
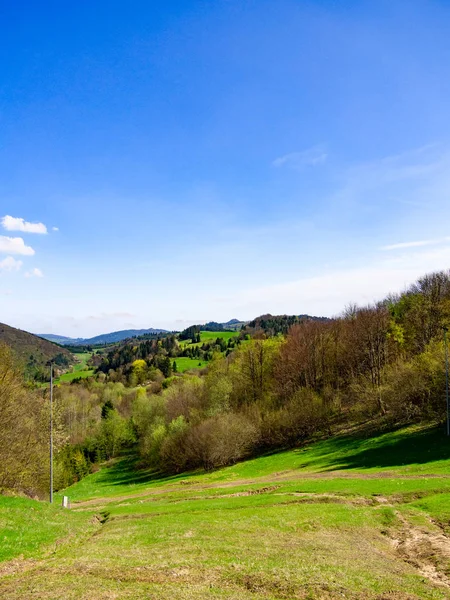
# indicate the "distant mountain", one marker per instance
pixel 59 339
pixel 105 338
pixel 31 349
pixel 118 336
pixel 212 326
pixel 232 322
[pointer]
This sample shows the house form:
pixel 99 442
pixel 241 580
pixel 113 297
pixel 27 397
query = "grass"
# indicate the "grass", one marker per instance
pixel 28 528
pixel 437 506
pixel 185 364
pixel 314 522
pixel 208 336
pixel 80 369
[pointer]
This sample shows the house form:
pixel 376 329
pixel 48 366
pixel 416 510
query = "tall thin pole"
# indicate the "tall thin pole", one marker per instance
pixel 51 432
pixel 446 381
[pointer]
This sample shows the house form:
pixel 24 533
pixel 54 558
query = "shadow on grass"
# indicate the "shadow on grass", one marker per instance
pixel 394 449
pixel 359 451
pixel 126 470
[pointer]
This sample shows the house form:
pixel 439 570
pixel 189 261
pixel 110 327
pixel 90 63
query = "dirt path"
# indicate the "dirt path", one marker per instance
pixel 428 550
pixel 284 476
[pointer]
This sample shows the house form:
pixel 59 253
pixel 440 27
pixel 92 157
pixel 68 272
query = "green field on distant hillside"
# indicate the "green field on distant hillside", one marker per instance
pixel 185 364
pixel 209 336
pixel 348 517
pixel 79 369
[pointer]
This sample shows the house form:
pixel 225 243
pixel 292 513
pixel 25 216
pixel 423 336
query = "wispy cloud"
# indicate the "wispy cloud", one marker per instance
pixel 330 290
pixel 114 315
pixel 306 158
pixel 15 245
pixel 415 244
pixel 34 273
pixel 55 228
pixel 412 177
pixel 18 224
pixel 10 264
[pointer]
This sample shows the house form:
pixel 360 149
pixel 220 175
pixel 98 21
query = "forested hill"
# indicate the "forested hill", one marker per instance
pixel 104 338
pixel 275 324
pixel 32 350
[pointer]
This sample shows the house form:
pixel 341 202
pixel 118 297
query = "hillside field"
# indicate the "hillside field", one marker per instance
pixel 79 369
pixel 348 517
pixel 185 364
pixel 208 336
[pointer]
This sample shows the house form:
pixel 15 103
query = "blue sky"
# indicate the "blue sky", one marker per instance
pixel 208 160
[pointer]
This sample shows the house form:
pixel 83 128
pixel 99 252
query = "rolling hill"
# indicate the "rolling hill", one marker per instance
pixel 30 348
pixel 104 338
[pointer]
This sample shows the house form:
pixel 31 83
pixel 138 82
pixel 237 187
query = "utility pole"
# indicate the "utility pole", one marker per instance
pixel 51 433
pixel 446 380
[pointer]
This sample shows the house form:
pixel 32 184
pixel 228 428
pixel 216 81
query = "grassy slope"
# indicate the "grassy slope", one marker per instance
pixel 29 528
pixel 208 336
pixel 79 369
pixel 185 364
pixel 316 522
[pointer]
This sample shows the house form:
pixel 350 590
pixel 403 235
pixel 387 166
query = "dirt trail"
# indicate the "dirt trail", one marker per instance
pixel 284 476
pixel 428 550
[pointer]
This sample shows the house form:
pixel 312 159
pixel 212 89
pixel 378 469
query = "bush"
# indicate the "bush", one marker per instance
pixel 221 440
pixel 416 389
pixel 173 455
pixel 297 419
pixel 113 435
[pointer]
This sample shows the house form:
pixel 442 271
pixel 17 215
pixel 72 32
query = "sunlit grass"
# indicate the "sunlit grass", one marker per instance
pixel 311 522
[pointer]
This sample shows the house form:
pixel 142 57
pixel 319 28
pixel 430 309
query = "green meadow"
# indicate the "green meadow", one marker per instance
pixel 353 516
pixel 79 369
pixel 208 336
pixel 185 364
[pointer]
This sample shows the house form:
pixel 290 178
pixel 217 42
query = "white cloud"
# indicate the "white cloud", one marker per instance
pixel 55 228
pixel 330 291
pixel 416 244
pixel 16 245
pixel 34 273
pixel 106 316
pixel 306 158
pixel 10 264
pixel 414 178
pixel 18 224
